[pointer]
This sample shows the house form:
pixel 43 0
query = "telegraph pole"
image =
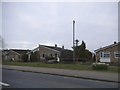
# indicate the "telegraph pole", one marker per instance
pixel 73 41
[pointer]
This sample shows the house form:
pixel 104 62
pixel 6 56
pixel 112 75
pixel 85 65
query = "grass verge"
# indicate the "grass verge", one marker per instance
pixel 113 69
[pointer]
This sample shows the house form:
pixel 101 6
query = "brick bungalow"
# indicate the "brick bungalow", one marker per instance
pixel 13 54
pixel 110 53
pixel 43 52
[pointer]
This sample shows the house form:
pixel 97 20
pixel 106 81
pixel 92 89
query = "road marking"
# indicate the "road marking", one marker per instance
pixel 4 84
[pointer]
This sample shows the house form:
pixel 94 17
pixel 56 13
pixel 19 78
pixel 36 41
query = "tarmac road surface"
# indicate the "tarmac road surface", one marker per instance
pixel 19 79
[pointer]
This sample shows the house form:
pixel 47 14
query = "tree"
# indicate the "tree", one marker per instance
pixel 76 42
pixel 81 53
pixel 79 50
pixel 82 46
pixel 34 56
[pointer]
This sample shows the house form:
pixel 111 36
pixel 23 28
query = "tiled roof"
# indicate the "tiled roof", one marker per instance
pixel 55 48
pixel 19 51
pixel 106 47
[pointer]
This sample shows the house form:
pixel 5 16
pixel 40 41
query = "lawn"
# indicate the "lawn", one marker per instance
pixel 113 69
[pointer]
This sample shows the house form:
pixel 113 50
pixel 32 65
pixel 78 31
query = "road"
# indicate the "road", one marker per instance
pixel 19 79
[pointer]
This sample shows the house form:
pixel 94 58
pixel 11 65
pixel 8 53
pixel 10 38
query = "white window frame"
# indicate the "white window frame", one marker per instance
pixel 105 54
pixel 117 53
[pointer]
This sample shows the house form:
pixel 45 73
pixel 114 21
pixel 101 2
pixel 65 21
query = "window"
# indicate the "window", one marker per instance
pixel 43 55
pixel 101 54
pixel 105 54
pixel 117 54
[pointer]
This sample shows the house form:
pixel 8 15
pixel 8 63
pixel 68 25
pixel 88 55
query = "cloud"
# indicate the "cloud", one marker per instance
pixel 29 20
pixel 51 23
pixel 19 44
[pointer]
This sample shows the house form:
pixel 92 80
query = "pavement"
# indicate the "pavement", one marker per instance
pixel 93 75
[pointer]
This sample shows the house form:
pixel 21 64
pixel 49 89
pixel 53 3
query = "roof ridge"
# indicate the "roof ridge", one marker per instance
pixel 107 46
pixel 14 51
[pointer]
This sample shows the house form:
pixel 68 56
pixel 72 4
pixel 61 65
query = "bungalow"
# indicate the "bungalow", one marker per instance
pixel 110 53
pixel 13 54
pixel 43 53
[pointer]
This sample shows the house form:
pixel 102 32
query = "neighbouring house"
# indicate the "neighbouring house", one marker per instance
pixel 13 54
pixel 110 53
pixel 45 53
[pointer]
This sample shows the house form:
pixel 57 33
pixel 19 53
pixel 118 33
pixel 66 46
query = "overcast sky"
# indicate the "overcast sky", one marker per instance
pixel 25 25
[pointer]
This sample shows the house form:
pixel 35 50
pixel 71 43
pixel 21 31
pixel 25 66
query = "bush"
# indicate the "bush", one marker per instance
pixel 24 57
pixel 100 66
pixel 34 57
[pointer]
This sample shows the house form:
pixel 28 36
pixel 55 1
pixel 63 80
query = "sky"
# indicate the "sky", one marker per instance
pixel 27 24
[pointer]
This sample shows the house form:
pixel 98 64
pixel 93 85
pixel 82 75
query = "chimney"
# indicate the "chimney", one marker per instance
pixel 62 47
pixel 55 45
pixel 115 42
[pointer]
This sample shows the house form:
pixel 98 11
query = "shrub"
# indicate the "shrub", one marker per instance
pixel 100 66
pixel 34 57
pixel 24 57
